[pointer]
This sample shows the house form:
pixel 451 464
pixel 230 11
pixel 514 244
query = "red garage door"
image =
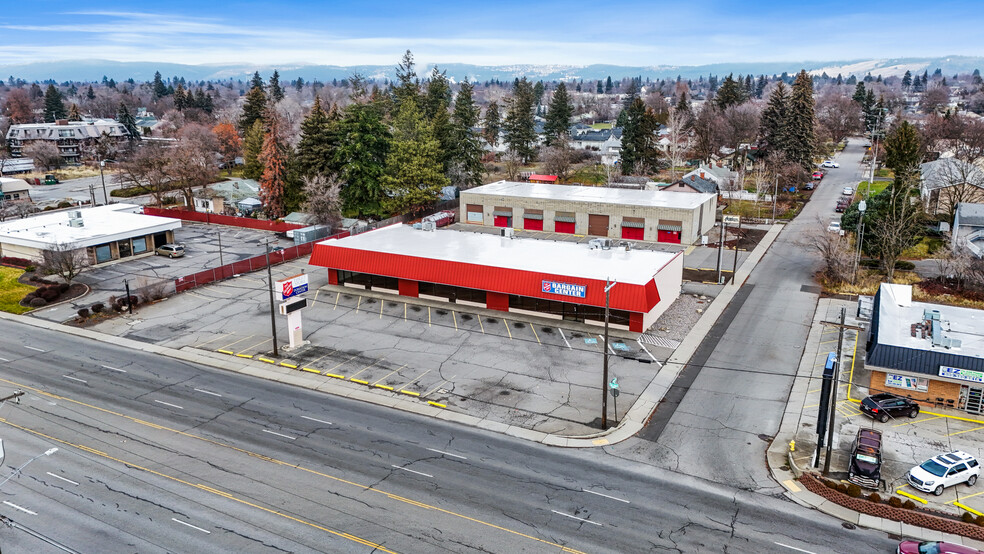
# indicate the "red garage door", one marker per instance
pixel 633 233
pixel 533 224
pixel 502 221
pixel 564 227
pixel 668 236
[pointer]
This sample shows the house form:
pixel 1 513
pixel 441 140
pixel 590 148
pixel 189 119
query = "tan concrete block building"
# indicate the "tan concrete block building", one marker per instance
pixel 654 216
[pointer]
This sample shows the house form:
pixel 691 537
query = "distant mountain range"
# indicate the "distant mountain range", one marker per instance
pixel 94 70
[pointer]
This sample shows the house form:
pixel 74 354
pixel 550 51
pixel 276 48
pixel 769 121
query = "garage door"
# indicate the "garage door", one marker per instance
pixel 502 216
pixel 564 222
pixel 633 228
pixel 533 220
pixel 598 225
pixel 669 231
pixel 473 214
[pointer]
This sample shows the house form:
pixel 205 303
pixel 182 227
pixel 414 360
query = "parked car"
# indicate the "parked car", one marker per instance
pixel 809 186
pixel 935 547
pixel 848 191
pixel 50 179
pixel 865 468
pixel 943 471
pixel 817 175
pixel 830 163
pixel 170 250
pixel 886 405
pixel 834 227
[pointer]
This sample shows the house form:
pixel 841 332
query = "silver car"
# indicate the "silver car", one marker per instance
pixel 170 250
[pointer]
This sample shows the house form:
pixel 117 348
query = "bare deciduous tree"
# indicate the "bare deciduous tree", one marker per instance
pixel 838 256
pixel 66 260
pixel 45 154
pixel 680 140
pixel 324 201
pixel 839 114
pixel 150 167
pixel 557 159
pixel 193 162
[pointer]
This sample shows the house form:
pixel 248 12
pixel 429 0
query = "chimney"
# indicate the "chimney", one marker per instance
pixel 61 122
pixel 702 174
pixel 694 177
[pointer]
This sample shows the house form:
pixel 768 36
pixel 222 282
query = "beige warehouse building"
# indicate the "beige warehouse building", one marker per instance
pixel 655 216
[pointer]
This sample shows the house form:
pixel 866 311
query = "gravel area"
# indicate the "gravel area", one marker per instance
pixel 681 316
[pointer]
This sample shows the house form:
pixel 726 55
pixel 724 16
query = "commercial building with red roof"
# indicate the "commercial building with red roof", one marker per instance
pixel 556 279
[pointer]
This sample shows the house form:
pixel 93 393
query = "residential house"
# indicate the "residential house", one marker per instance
pixel 968 229
pixel 224 197
pixel 946 182
pixel 14 190
pixel 693 183
pixel 724 178
pixel 71 137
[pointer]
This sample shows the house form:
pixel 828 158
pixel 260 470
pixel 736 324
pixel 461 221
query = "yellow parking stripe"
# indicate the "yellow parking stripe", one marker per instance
pixel 968 508
pixel 964 431
pixel 912 496
pixel 917 421
pixel 535 335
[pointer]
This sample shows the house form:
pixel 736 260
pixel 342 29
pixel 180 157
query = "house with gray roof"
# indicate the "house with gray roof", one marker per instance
pixel 225 197
pixel 71 137
pixel 693 183
pixel 968 229
pixel 946 182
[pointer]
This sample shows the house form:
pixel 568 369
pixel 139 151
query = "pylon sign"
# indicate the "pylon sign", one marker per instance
pixel 291 286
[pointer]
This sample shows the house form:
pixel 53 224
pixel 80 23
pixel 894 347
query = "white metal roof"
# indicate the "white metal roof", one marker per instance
pixel 897 312
pixel 526 254
pixel 605 195
pixel 100 225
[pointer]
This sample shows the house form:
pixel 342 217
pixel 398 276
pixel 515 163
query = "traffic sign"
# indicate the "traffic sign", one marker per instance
pixel 615 392
pixel 614 384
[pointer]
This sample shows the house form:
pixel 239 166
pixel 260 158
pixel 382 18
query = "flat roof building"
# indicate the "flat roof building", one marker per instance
pixel 654 216
pixel 556 279
pixel 929 352
pixel 106 233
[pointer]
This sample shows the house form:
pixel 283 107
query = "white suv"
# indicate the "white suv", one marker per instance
pixel 943 471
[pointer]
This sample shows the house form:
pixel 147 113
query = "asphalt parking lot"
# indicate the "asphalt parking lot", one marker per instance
pixel 905 442
pixel 202 251
pixel 508 368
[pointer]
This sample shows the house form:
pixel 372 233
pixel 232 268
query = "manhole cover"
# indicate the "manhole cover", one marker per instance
pixel 847 525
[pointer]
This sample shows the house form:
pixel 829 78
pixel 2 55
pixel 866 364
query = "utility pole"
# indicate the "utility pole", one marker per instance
pixel 102 164
pixel 734 269
pixel 724 231
pixel 273 318
pixel 16 395
pixel 604 372
pixel 129 304
pixel 874 153
pixel 833 395
pixel 219 231
pixel 862 207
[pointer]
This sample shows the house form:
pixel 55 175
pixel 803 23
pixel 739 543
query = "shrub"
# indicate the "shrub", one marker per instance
pixel 38 302
pixel 909 505
pixel 134 300
pixel 84 313
pixel 30 296
pixel 63 288
pixel 15 262
pixel 117 307
pixel 98 307
pixel 874 497
pixel 895 502
pixel 48 294
pixel 854 491
pixel 979 520
pixel 65 204
pixel 30 268
pixel 968 517
pixel 830 484
pixel 842 487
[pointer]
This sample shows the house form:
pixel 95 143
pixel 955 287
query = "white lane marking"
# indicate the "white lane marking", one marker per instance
pixel 4 360
pixel 794 548
pixel 318 420
pixel 447 453
pixel 192 526
pixel 208 392
pixel 564 337
pixel 412 471
pixel 606 496
pixel 610 349
pixel 577 518
pixel 62 478
pixel 75 379
pixel 115 369
pixel 169 404
pixel 646 350
pixel 25 510
pixel 280 435
pixel 32 348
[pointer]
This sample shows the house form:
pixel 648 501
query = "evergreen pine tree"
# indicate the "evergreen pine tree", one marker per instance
pixel 54 106
pixel 760 86
pixel 538 90
pixel 639 151
pixel 273 180
pixel 408 87
pixel 492 124
pixel 126 119
pixel 600 89
pixel 730 93
pixel 90 94
pixel 438 95
pixel 299 84
pixel 465 164
pixel 608 85
pixel 361 154
pixel 519 125
pixel 907 80
pixel 276 92
pixel 316 148
pixel 254 108
pixel 180 101
pixel 257 81
pixel 859 94
pixel 801 137
pixel 252 146
pixel 158 86
pixel 622 119
pixel 414 177
pixel 773 123
pixel 558 122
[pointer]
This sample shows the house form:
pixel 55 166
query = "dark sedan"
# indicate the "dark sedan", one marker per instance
pixel 885 406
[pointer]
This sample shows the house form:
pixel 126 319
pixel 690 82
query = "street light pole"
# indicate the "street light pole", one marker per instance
pixel 102 164
pixel 604 372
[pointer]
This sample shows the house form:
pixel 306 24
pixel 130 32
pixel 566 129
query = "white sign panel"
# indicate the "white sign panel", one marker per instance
pixel 904 382
pixel 291 286
pixel 962 374
pixel 732 219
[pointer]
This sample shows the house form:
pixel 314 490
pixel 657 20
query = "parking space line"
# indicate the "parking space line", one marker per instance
pixel 390 373
pixel 563 336
pixel 228 346
pixel 358 304
pixel 480 324
pixel 215 339
pixel 964 431
pixel 264 341
pixel 428 316
pixel 343 363
pixel 337 296
pixel 365 368
pixel 381 304
pixel 966 496
pixel 917 421
pixel 455 319
pixel 404 311
pixel 441 384
pixel 610 349
pixel 535 335
pixel 419 377
pixel 506 323
pixel 646 350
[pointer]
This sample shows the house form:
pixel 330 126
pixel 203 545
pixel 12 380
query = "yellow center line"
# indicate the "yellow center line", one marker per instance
pixel 361 487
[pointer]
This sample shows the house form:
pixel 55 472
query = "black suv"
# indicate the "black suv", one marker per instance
pixel 884 406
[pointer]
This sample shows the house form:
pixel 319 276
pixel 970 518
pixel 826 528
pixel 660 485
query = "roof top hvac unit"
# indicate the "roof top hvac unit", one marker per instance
pixel 428 225
pixel 604 244
pixel 76 222
pixel 75 214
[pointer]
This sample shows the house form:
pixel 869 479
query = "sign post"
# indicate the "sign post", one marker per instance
pixel 613 386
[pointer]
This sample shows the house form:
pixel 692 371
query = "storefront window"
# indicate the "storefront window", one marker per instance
pixel 124 247
pixel 140 245
pixel 103 253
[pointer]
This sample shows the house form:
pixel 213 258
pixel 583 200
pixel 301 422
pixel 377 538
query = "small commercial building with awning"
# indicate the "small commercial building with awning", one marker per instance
pixel 555 279
pixel 654 216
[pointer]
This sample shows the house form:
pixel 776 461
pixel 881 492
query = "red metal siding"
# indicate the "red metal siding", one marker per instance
pixel 668 236
pixel 533 224
pixel 633 298
pixel 332 276
pixel 564 227
pixel 497 301
pixel 633 233
pixel 635 322
pixel 409 288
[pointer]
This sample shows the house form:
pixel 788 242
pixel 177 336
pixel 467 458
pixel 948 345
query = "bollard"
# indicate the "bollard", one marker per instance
pixel 792 445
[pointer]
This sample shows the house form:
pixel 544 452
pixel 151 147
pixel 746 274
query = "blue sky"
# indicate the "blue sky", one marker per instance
pixel 505 32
